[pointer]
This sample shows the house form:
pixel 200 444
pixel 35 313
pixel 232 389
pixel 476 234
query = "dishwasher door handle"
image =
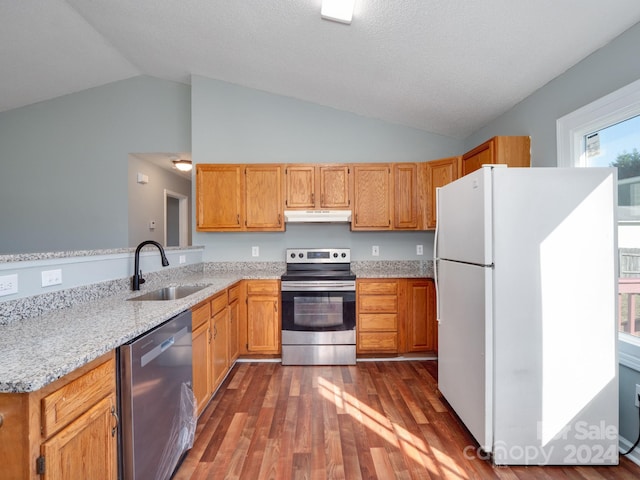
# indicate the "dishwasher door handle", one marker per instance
pixel 155 352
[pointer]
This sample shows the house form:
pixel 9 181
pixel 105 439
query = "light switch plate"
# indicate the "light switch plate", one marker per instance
pixel 375 250
pixel 255 251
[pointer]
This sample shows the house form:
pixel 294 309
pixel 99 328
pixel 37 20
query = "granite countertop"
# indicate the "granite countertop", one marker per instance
pixel 39 350
pixel 392 269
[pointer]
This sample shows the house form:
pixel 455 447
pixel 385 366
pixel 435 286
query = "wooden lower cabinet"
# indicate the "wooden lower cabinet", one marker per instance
pixel 201 354
pixel 234 322
pixel 67 429
pixel 210 346
pixel 220 346
pixel 263 316
pixel 377 316
pixel 421 325
pixel 395 316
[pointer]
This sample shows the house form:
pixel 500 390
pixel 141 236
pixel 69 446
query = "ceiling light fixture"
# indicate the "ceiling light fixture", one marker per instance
pixel 337 10
pixel 182 165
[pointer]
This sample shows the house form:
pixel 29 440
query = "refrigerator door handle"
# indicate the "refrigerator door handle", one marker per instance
pixel 435 259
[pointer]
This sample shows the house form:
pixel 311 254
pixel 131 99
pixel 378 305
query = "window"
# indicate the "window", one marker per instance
pixel 602 134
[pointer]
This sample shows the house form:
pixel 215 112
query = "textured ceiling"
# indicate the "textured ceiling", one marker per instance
pixel 443 66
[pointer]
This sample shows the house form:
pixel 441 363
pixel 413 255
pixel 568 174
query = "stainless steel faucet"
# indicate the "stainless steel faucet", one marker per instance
pixel 137 274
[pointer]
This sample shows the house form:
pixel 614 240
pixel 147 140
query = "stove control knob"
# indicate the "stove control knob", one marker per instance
pixel 344 255
pixel 300 255
pixel 293 255
pixel 335 255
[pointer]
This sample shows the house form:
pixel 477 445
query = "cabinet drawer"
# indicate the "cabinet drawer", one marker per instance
pixel 234 293
pixel 378 322
pixel 219 302
pixel 199 315
pixel 378 288
pixel 378 342
pixel 378 304
pixel 69 402
pixel 268 287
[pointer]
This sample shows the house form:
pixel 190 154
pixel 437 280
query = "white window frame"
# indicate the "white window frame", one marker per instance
pixel 570 132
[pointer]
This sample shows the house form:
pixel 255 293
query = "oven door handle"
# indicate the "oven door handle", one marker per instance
pixel 318 286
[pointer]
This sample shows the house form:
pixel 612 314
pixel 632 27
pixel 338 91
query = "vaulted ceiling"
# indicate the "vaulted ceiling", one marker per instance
pixel 443 66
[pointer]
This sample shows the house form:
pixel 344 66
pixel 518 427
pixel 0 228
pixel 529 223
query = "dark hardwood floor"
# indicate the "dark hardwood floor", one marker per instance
pixel 374 420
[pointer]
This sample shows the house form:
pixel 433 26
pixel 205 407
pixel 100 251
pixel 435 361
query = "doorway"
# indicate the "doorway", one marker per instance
pixel 176 215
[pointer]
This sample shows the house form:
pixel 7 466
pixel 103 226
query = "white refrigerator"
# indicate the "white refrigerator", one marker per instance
pixel 526 282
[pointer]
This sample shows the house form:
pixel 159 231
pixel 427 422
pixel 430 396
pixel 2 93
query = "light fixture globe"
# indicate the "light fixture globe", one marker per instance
pixel 183 165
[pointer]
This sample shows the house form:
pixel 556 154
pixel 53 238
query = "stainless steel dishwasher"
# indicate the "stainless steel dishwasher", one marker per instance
pixel 157 405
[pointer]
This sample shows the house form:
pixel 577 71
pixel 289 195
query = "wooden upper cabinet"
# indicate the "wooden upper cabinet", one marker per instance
pixel 219 197
pixel 438 173
pixel 372 192
pixel 512 151
pixel 234 197
pixel 300 183
pixel 263 197
pixel 334 187
pixel 406 206
pixel 310 187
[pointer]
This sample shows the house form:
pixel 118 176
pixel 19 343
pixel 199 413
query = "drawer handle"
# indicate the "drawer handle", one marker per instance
pixel 1 420
pixel 115 415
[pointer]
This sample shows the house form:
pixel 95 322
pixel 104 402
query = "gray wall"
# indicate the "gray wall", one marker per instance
pixel 64 162
pixel 146 201
pixel 613 66
pixel 610 68
pixel 233 124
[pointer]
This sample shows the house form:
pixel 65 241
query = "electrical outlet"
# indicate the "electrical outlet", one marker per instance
pixel 636 397
pixel 255 251
pixel 8 284
pixel 51 277
pixel 419 250
pixel 375 250
pixel 182 259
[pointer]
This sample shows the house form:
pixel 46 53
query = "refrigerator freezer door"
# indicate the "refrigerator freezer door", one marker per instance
pixel 464 219
pixel 465 345
pixel 555 316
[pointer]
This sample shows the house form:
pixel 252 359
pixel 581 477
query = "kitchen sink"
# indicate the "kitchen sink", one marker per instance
pixel 170 293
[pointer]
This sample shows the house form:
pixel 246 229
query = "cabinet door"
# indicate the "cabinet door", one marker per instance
pixel 219 197
pixel 334 187
pixel 372 194
pixel 300 186
pixel 220 343
pixel 234 323
pixel 263 328
pixel 263 198
pixel 201 354
pixel 405 198
pixel 86 448
pixel 421 321
pixel 439 173
pixel 482 155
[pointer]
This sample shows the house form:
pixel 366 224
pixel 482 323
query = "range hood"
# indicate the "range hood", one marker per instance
pixel 317 216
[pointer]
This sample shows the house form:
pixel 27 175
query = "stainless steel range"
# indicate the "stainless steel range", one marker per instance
pixel 318 307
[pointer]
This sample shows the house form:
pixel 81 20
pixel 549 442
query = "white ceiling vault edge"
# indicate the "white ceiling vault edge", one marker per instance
pixel 441 66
